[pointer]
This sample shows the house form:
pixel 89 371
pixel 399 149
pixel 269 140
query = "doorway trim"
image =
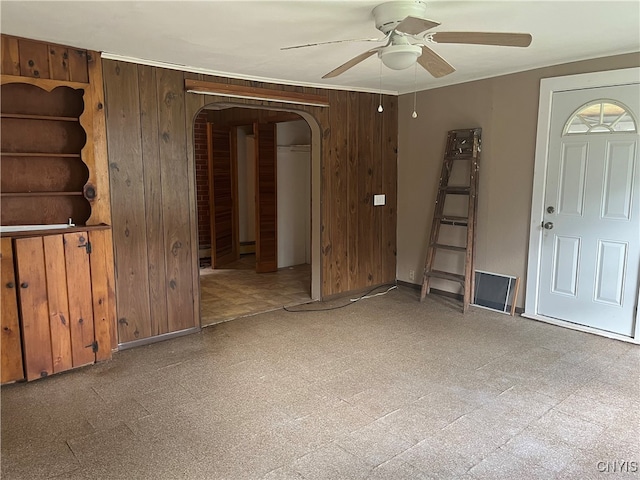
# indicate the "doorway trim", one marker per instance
pixel 549 86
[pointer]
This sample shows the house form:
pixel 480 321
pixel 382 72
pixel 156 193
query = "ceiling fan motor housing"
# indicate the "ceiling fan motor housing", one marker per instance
pixel 389 15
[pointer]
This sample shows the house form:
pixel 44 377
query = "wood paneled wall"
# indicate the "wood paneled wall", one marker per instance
pixel 153 216
pixel 150 133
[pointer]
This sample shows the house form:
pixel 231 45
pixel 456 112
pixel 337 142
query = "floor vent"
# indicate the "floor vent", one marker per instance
pixel 496 292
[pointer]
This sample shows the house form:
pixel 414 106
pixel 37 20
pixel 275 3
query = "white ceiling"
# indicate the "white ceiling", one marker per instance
pixel 243 38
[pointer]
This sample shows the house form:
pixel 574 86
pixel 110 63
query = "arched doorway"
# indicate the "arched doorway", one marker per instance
pixel 228 142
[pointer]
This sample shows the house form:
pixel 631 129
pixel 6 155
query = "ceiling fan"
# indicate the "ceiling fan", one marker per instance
pixel 406 34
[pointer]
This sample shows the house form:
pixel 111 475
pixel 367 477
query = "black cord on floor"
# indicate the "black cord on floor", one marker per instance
pixel 389 286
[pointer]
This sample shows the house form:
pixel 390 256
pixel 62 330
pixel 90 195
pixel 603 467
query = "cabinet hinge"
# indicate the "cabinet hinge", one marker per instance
pixel 86 246
pixel 94 346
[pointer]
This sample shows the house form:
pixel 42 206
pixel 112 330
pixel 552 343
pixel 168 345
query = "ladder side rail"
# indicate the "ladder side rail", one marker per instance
pixel 435 227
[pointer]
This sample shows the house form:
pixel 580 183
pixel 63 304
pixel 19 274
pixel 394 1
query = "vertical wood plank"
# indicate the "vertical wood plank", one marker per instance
pixel 153 199
pixel 78 68
pixel 11 367
pixel 100 292
pixel 175 187
pixel 100 204
pixel 222 194
pixel 128 203
pixel 390 186
pixel 58 62
pixel 193 104
pixel 352 176
pixel 56 278
pixel 34 59
pixel 377 158
pixel 234 192
pixel 110 262
pixel 337 191
pixel 80 298
pixel 36 334
pixel 372 124
pixel 10 56
pixel 266 197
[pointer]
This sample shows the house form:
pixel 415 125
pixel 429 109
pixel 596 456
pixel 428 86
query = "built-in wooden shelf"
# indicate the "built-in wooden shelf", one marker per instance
pixel 54 231
pixel 39 194
pixel 53 155
pixel 38 117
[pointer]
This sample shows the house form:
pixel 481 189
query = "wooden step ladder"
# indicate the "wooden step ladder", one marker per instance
pixel 462 145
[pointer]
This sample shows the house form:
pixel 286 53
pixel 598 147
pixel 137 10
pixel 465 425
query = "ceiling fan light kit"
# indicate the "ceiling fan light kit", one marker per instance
pixel 399 57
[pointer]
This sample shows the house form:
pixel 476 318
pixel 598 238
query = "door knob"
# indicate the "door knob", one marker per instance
pixel 548 225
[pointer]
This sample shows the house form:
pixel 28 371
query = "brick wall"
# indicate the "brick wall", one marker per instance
pixel 202 180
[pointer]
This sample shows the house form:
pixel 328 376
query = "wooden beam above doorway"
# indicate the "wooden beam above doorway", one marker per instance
pixel 255 93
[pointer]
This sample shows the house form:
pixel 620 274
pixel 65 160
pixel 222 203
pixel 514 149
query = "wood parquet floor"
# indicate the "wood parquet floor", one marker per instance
pixel 237 290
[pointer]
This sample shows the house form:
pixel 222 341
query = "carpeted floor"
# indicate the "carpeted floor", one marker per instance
pixel 387 388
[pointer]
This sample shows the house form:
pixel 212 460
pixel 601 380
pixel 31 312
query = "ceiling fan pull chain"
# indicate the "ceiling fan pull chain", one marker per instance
pixel 415 90
pixel 380 109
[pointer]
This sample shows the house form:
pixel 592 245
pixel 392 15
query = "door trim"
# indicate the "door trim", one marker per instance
pixel 549 86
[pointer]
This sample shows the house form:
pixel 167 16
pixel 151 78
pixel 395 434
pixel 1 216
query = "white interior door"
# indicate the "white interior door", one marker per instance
pixel 590 254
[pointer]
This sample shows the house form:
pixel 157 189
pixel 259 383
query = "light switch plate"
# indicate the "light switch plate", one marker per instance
pixel 379 200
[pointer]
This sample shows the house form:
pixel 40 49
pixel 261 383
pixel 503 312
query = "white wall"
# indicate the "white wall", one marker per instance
pixel 294 133
pixel 294 193
pixel 246 186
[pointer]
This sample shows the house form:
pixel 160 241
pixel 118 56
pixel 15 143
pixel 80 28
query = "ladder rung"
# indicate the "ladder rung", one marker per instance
pixel 465 156
pixel 454 220
pixel 456 190
pixel 449 247
pixel 454 277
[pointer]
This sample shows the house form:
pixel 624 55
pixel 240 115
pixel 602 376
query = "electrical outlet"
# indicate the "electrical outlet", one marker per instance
pixel 412 275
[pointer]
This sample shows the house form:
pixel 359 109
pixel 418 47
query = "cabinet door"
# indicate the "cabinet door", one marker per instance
pixel 34 307
pixel 11 348
pixel 76 252
pixel 55 303
pixel 56 273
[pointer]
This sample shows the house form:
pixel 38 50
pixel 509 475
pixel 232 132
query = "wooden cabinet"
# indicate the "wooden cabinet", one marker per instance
pixel 59 312
pixel 60 318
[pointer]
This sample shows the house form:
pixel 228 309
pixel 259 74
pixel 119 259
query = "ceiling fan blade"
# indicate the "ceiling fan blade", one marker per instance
pixel 434 63
pixel 415 25
pixel 483 38
pixel 336 41
pixel 351 63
